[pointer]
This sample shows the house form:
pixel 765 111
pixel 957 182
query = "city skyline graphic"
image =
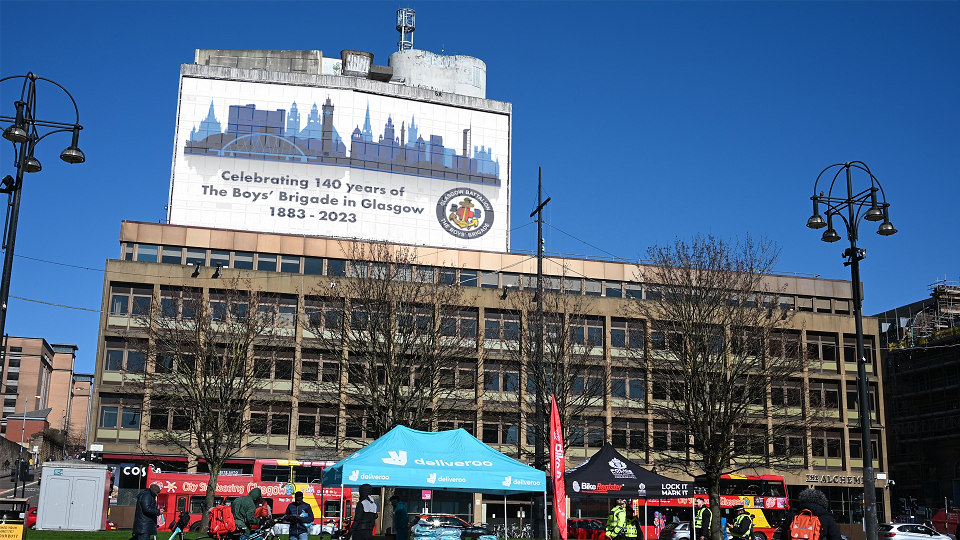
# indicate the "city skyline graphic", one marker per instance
pixel 276 135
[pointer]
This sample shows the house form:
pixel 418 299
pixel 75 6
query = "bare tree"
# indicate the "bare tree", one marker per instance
pixel 200 377
pixel 572 367
pixel 723 362
pixel 398 331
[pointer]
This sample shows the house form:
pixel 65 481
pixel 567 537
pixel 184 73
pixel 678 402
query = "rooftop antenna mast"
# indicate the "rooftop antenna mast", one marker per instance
pixel 406 24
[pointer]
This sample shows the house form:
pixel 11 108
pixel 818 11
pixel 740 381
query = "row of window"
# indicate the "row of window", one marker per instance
pixel 268 262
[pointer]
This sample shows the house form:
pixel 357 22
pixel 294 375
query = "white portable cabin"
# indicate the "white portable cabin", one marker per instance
pixel 73 496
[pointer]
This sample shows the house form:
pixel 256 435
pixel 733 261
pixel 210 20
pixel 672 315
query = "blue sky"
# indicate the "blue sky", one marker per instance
pixel 651 120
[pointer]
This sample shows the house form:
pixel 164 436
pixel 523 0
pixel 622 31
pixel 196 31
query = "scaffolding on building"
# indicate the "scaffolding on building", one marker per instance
pixel 937 319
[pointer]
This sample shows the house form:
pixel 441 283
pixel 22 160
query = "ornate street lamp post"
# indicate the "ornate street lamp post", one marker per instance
pixel 858 206
pixel 25 131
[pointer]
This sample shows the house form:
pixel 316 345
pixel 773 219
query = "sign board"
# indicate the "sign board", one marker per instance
pixel 427 494
pixel 96 448
pixel 11 531
pixel 338 162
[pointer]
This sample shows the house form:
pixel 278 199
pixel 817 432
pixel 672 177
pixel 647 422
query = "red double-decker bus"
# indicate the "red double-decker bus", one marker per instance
pixel 278 480
pixel 763 496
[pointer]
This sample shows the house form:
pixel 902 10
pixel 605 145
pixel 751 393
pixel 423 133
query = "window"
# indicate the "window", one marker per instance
pixel 633 291
pixel 490 280
pixel 613 289
pixel 784 344
pixel 130 299
pixel 121 355
pixel 856 448
pixel 128 252
pixel 172 255
pixel 787 394
pixel 160 419
pixel 243 260
pixel 119 411
pixel 146 253
pixel 501 377
pixel 196 257
pixel 825 395
pixel 586 331
pixel 828 444
pixel 468 278
pixel 572 286
pixel 461 322
pixel 312 266
pixel 821 347
pixel 626 333
pixel 336 267
pixel 667 437
pixel 629 434
pixel 219 258
pixel 500 429
pixel 628 384
pixel 501 325
pixel 266 263
pixel 290 265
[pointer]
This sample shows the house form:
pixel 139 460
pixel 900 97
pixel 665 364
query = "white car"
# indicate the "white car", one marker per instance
pixel 908 531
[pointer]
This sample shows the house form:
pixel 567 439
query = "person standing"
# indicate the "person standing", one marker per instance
pixel 617 521
pixel 742 526
pixel 364 516
pixel 632 529
pixel 244 510
pixel 146 514
pixel 702 520
pixel 815 502
pixel 401 520
pixel 299 515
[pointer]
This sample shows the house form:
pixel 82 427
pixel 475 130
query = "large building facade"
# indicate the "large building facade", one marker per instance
pixel 154 261
pixel 921 362
pixel 284 157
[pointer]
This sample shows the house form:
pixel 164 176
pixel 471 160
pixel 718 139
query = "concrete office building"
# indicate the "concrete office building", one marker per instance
pixel 39 375
pixel 440 169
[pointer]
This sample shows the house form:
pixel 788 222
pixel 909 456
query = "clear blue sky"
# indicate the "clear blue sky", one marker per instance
pixel 651 120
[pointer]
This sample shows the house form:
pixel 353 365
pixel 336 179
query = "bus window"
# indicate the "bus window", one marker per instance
pixel 181 504
pixel 331 509
pixel 196 505
pixel 275 473
pixel 752 488
pixel 303 474
pixel 774 489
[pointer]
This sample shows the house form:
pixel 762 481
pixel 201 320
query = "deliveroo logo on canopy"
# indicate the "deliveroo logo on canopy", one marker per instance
pixel 396 458
pixel 354 476
pixel 506 481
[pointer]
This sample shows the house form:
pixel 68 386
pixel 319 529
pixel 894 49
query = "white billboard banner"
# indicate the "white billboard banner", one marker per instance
pixel 287 159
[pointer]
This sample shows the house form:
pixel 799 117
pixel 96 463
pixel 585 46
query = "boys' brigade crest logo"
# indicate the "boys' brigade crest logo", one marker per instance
pixel 465 213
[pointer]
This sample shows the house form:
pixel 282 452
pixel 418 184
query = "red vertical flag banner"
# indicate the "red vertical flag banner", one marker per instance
pixel 557 468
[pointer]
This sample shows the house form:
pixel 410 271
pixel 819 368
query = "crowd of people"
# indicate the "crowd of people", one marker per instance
pixel 811 513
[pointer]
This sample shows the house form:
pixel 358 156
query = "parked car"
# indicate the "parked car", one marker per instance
pixel 31 520
pixel 111 526
pixel 468 531
pixel 908 531
pixel 583 529
pixel 676 531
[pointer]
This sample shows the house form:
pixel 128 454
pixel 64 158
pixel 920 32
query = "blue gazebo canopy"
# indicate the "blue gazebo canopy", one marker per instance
pixel 448 460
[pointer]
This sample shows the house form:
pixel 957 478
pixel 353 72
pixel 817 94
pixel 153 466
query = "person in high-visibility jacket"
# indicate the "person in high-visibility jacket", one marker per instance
pixel 617 521
pixel 702 520
pixel 632 529
pixel 742 526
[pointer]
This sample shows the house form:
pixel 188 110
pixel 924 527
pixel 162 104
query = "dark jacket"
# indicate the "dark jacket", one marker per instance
pixel 299 516
pixel 828 526
pixel 401 520
pixel 145 516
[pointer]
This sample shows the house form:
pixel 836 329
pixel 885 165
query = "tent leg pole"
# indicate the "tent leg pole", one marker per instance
pixel 505 526
pixel 645 514
pixel 546 526
pixel 341 507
